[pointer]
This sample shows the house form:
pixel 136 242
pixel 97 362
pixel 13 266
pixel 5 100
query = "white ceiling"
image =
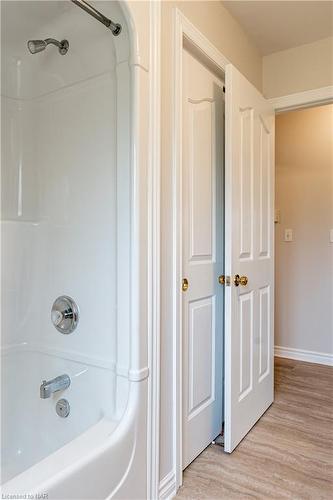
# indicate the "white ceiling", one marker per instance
pixel 280 25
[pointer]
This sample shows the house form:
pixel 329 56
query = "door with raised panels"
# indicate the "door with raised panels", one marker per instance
pixel 249 198
pixel 202 251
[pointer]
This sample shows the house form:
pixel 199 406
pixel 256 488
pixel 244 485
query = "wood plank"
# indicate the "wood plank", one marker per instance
pixel 289 452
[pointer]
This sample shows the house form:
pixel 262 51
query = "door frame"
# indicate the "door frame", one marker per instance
pixel 183 30
pixel 305 99
pixel 153 256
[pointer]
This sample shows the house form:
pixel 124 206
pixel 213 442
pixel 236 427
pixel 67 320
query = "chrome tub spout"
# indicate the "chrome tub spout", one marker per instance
pixel 48 387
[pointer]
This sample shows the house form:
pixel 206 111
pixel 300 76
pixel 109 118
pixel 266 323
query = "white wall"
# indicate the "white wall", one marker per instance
pixel 301 68
pixel 304 196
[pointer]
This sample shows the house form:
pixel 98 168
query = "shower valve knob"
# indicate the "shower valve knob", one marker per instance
pixel 65 314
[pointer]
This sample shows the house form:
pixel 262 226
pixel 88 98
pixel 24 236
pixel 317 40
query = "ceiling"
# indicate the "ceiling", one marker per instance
pixel 281 25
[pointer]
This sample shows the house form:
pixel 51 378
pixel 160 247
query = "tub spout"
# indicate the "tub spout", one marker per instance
pixel 48 387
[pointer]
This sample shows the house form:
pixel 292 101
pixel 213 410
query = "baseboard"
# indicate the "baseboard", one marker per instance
pixel 167 487
pixel 321 358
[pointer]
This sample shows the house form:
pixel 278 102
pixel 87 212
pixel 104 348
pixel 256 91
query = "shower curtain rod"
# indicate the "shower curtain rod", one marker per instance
pixel 114 27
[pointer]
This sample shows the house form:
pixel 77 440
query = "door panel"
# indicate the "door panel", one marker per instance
pixel 202 251
pixel 246 184
pixel 245 344
pixel 248 246
pixel 264 186
pixel 201 171
pixel 201 354
pixel 264 332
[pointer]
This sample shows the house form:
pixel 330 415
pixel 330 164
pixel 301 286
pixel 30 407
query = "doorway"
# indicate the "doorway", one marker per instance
pixel 304 234
pixel 247 282
pixel 238 343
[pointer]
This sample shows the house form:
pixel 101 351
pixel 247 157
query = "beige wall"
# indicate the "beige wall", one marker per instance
pixel 215 22
pixel 212 19
pixel 301 68
pixel 304 195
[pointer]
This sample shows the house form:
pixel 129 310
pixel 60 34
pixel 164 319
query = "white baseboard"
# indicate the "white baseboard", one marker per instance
pixel 167 487
pixel 321 358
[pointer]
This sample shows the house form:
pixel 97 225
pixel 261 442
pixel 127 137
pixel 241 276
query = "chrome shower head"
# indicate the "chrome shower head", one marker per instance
pixel 36 46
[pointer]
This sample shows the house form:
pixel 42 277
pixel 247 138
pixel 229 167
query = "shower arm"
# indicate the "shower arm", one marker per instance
pixel 52 41
pixel 114 27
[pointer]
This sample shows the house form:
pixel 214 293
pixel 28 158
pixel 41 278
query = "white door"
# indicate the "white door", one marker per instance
pixel 202 261
pixel 249 196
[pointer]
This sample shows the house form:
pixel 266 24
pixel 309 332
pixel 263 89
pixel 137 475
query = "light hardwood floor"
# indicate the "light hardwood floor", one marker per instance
pixel 289 452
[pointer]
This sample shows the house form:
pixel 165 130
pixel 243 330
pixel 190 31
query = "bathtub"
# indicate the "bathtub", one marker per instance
pixel 101 458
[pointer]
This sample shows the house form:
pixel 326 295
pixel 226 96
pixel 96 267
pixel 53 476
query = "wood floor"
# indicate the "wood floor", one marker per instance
pixel 289 452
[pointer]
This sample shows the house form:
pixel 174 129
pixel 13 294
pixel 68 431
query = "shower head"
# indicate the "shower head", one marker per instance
pixel 36 46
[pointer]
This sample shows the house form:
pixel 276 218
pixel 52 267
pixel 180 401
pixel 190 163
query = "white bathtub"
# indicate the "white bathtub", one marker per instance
pixel 89 454
pixel 31 428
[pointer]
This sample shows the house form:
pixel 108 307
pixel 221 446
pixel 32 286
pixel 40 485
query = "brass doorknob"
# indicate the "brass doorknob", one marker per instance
pixel 185 285
pixel 222 279
pixel 240 280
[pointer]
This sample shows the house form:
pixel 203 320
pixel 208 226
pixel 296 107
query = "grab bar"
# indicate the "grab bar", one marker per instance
pixel 114 27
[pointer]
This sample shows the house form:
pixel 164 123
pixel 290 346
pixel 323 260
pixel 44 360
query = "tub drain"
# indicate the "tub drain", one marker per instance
pixel 63 408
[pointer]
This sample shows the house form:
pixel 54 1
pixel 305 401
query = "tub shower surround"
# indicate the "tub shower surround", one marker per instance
pixel 74 396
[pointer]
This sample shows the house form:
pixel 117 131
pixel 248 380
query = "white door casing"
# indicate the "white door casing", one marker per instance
pixel 202 251
pixel 249 195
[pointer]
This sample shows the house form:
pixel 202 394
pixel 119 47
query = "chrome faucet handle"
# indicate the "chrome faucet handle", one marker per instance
pixel 65 314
